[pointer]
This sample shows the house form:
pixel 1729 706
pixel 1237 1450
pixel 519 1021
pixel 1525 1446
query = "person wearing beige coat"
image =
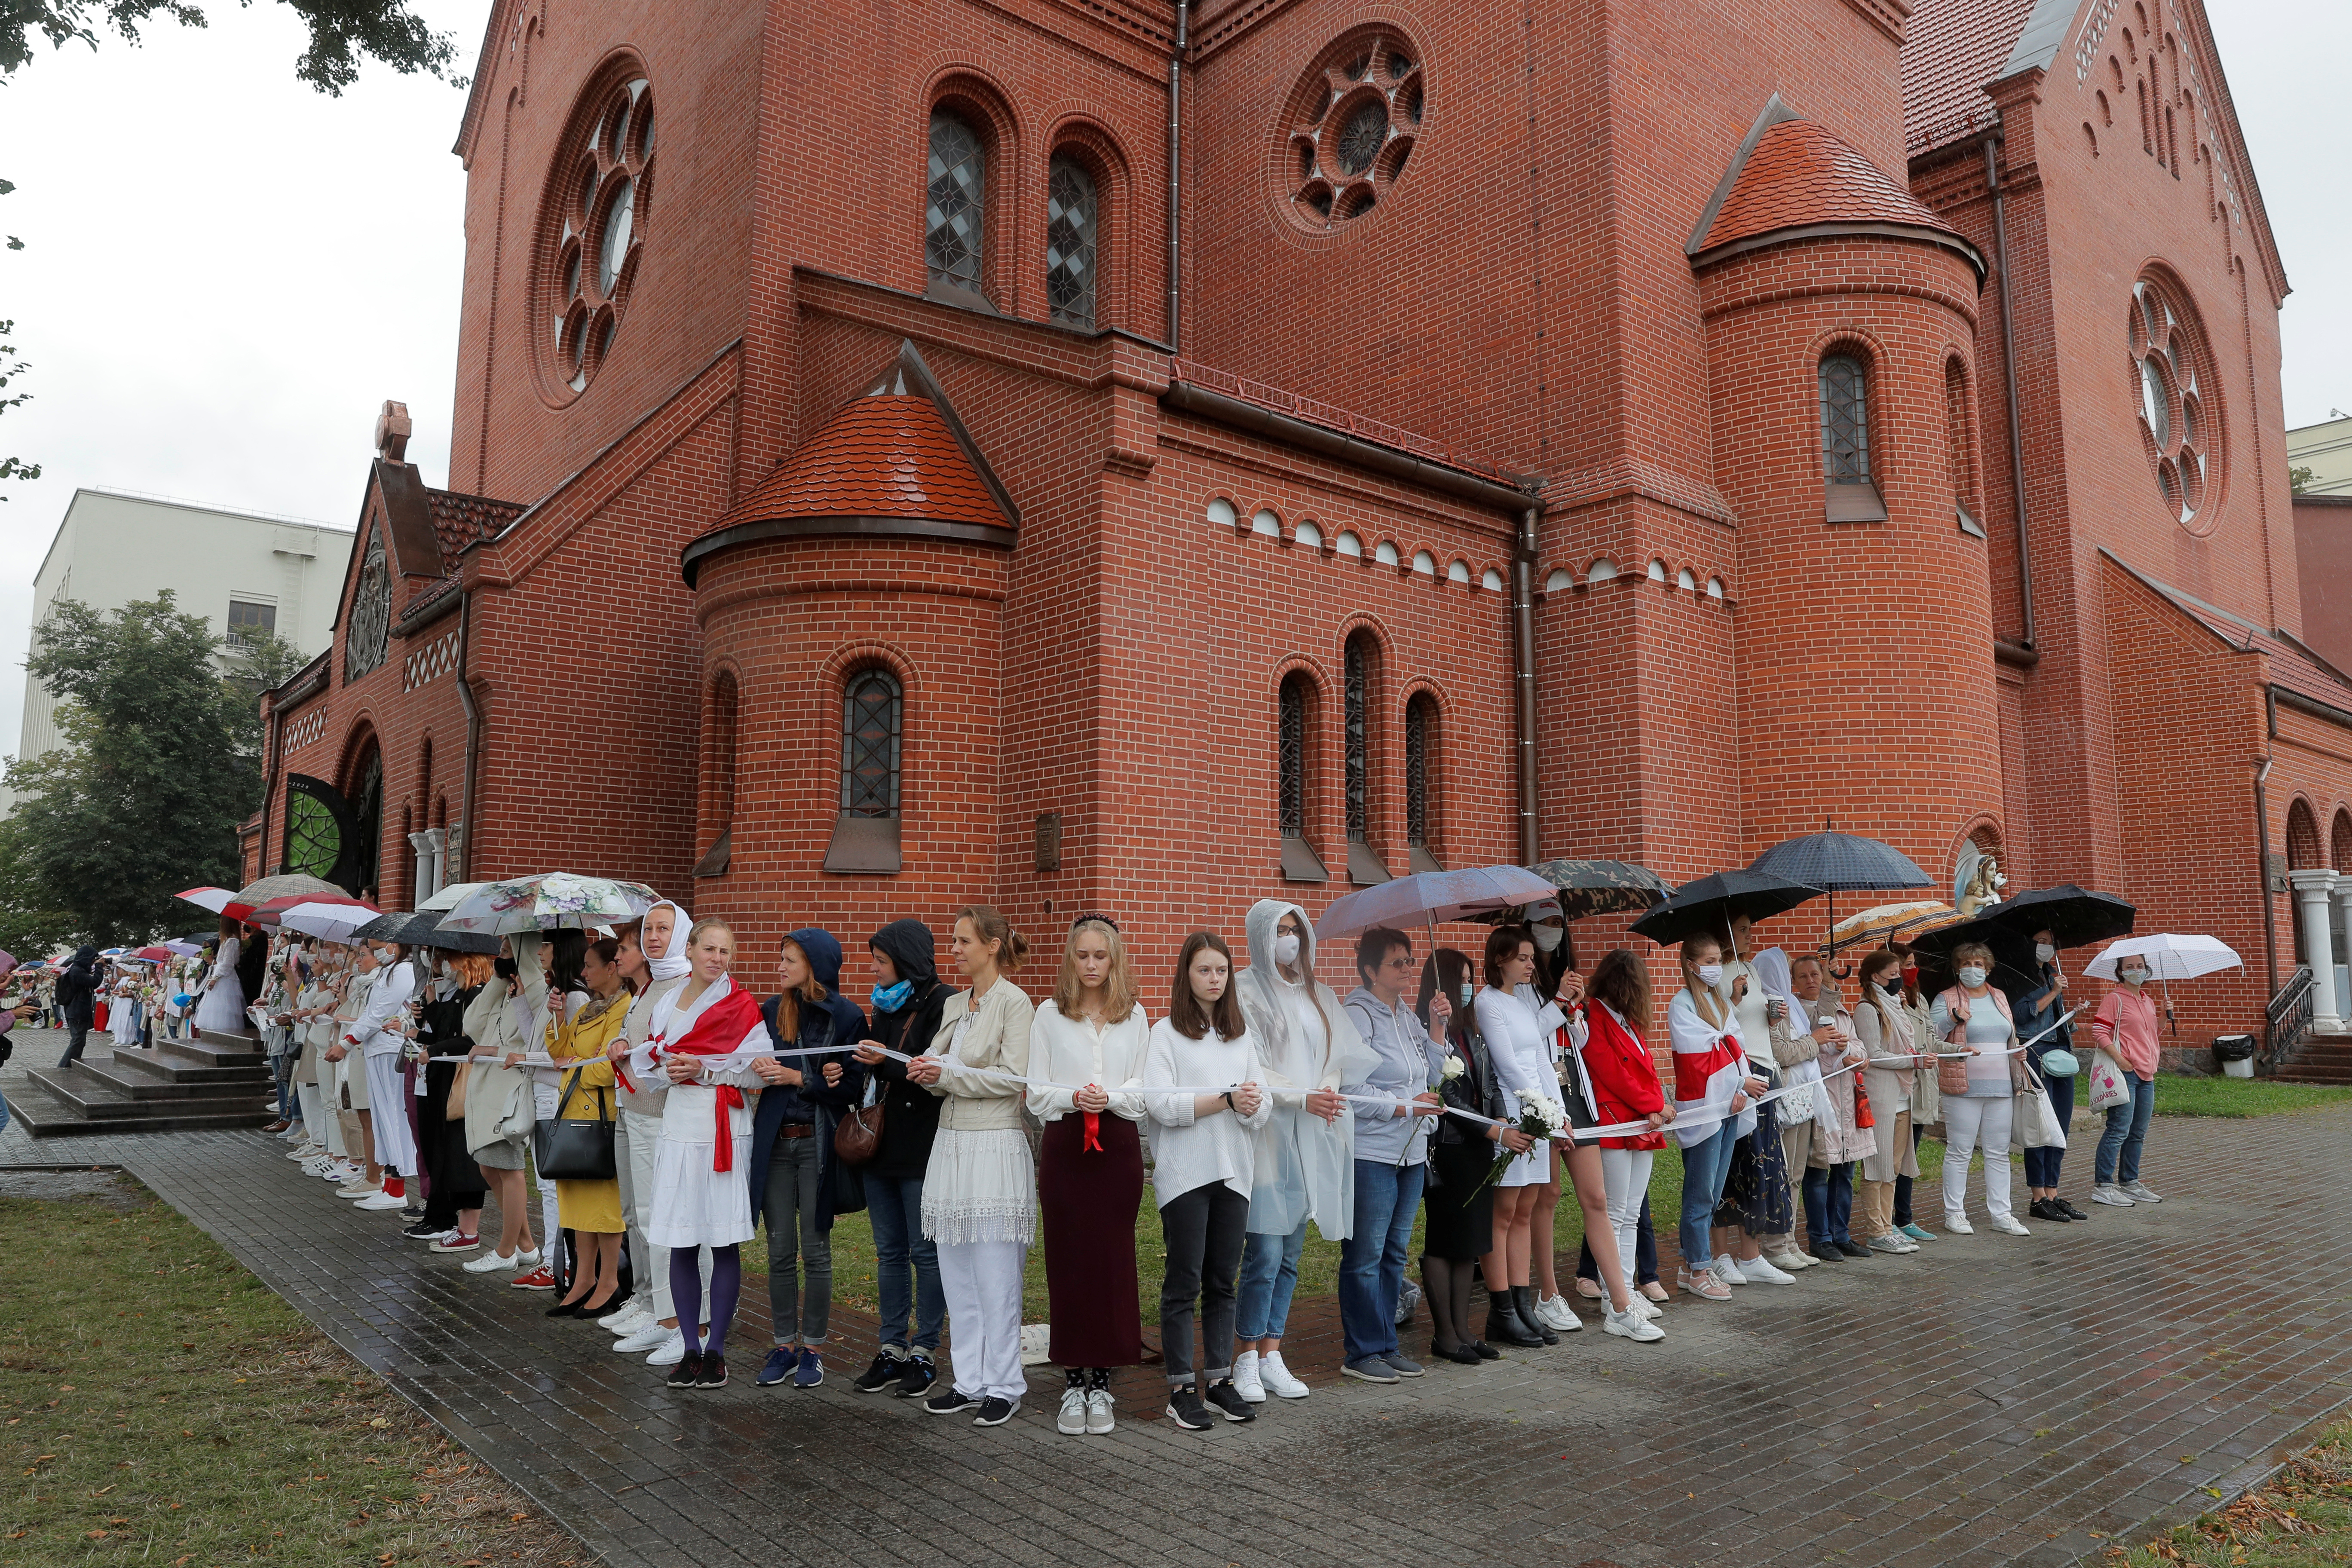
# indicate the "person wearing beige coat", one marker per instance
pixel 979 1190
pixel 501 1104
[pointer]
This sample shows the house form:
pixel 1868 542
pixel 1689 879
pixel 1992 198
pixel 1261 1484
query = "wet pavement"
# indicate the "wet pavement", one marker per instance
pixel 1989 1400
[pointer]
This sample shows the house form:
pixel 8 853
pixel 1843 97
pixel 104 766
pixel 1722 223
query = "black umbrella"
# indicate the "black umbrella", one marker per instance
pixel 1708 904
pixel 2074 916
pixel 1841 862
pixel 1589 888
pixel 423 929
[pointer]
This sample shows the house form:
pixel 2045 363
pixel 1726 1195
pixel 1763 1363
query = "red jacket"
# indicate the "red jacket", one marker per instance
pixel 1625 1086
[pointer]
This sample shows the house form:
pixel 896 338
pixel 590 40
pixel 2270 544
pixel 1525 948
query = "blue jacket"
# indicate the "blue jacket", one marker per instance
pixel 833 1023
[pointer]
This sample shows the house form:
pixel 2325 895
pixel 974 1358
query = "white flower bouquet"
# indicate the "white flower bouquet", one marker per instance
pixel 1540 1119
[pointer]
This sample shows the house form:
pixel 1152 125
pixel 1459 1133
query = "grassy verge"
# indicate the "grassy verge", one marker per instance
pixel 2302 1517
pixel 160 1405
pixel 2179 1094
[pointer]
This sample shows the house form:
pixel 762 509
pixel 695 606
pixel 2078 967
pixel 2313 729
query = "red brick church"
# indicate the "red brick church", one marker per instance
pixel 1151 456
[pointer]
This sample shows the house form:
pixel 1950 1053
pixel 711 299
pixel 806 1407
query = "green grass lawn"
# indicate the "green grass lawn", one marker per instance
pixel 160 1405
pixel 2178 1094
pixel 2302 1517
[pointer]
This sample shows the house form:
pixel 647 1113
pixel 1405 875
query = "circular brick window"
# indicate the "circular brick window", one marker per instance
pixel 594 227
pixel 1350 127
pixel 2170 384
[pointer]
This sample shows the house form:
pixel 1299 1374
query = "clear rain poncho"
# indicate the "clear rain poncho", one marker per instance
pixel 1305 1168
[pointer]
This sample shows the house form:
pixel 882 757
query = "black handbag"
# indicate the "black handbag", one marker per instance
pixel 574 1150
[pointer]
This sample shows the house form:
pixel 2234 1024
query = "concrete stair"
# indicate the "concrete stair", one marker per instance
pixel 218 1079
pixel 2321 1058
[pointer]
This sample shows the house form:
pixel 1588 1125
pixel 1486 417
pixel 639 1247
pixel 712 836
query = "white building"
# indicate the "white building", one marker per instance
pixel 2325 450
pixel 235 569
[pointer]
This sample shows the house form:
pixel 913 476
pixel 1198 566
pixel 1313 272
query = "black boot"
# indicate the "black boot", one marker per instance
pixel 1502 1325
pixel 1523 1301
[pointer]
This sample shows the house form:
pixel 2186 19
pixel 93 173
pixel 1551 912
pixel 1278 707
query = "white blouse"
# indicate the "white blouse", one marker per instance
pixel 1519 1040
pixel 1188 1152
pixel 1070 1050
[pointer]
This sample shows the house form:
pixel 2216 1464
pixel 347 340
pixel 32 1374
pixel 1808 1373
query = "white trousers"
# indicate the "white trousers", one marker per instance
pixel 550 1230
pixel 982 1281
pixel 315 1121
pixel 1970 1124
pixel 329 1128
pixel 1626 1178
pixel 396 1150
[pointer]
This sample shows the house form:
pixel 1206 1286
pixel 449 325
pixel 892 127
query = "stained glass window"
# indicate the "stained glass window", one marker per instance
pixel 1420 731
pixel 870 711
pixel 1846 421
pixel 1071 212
pixel 953 221
pixel 1291 786
pixel 1359 657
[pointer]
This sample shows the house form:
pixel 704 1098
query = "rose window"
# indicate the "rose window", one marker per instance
pixel 600 198
pixel 2170 387
pixel 1352 124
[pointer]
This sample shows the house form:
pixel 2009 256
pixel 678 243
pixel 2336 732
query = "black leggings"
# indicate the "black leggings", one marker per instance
pixel 1203 1230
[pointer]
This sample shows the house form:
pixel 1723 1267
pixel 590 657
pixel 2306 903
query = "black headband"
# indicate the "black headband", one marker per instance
pixel 1094 919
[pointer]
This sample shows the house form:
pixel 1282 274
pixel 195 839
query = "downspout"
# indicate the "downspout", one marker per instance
pixel 1523 673
pixel 1176 171
pixel 2263 872
pixel 2009 383
pixel 473 735
pixel 268 768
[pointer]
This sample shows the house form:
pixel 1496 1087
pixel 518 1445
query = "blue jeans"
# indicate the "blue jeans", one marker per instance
pixel 2043 1166
pixel 1372 1261
pixel 906 1263
pixel 1269 1274
pixel 2119 1145
pixel 1706 1165
pixel 3 1113
pixel 1829 1203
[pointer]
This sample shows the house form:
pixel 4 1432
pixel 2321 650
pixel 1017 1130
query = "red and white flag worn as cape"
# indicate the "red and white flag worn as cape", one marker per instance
pixel 722 1025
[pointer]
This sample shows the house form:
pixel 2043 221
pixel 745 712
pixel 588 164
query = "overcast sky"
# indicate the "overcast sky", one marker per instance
pixel 226 273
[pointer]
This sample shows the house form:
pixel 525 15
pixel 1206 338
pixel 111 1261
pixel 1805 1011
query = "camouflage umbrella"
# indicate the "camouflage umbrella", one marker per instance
pixel 1589 888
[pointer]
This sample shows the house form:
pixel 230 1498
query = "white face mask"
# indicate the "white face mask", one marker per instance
pixel 1286 948
pixel 2046 954
pixel 1548 937
pixel 1466 989
pixel 1710 975
pixel 2134 976
pixel 1972 977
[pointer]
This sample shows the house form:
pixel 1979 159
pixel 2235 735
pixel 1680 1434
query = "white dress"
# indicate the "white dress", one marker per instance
pixel 695 1206
pixel 123 1016
pixel 223 1005
pixel 1519 1041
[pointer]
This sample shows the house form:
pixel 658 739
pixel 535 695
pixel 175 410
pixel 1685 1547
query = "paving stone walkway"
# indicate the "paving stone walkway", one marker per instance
pixel 1990 1400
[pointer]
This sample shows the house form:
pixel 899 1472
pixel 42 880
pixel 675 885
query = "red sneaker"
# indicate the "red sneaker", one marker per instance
pixel 540 1278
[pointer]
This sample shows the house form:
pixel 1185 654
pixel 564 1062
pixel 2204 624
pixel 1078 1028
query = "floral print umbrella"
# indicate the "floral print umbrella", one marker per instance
pixel 552 901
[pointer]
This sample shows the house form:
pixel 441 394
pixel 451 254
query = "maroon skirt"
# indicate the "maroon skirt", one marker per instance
pixel 1088 1200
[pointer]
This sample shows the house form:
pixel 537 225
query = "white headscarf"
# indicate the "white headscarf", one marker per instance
pixel 1305 1169
pixel 673 965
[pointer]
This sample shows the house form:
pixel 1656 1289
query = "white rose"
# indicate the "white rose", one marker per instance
pixel 1453 1069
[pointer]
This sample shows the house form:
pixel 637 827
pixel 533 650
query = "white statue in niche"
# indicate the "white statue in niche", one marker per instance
pixel 1976 884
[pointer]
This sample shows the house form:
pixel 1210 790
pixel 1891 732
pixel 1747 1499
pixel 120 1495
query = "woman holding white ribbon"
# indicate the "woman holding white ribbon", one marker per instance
pixel 1884 1025
pixel 1092 1032
pixel 1972 1017
pixel 1712 1087
pixel 1518 1038
pixel 980 1191
pixel 380 1034
pixel 1623 1077
pixel 703 1039
pixel 1304 1166
pixel 501 1108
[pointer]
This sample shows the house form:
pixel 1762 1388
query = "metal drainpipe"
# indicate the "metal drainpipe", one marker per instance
pixel 269 762
pixel 1176 171
pixel 2263 870
pixel 473 734
pixel 2009 383
pixel 1523 672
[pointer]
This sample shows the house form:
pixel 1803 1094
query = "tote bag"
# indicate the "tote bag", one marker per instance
pixel 575 1150
pixel 2110 1084
pixel 2036 1120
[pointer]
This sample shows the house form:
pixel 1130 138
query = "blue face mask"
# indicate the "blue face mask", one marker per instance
pixel 891 997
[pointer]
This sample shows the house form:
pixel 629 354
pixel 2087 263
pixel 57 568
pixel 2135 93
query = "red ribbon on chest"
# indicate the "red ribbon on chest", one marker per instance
pixel 716 1033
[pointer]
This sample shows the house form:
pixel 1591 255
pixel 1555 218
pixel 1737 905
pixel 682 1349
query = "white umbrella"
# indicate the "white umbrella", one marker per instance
pixel 450 897
pixel 554 901
pixel 207 898
pixel 1429 897
pixel 331 922
pixel 2168 957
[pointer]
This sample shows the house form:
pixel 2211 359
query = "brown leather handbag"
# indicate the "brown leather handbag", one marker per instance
pixel 858 1135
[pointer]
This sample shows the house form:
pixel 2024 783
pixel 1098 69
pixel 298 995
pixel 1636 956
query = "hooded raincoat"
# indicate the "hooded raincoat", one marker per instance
pixel 1304 1168
pixel 835 1024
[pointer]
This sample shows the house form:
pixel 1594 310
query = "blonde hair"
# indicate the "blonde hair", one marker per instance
pixel 1118 984
pixel 694 932
pixel 990 925
pixel 1968 950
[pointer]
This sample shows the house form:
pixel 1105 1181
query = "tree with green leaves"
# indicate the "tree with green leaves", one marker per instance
pixel 343 33
pixel 160 761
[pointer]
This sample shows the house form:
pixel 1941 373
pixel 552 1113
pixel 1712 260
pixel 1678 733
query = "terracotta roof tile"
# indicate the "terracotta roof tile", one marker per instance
pixel 1800 174
pixel 460 520
pixel 1951 49
pixel 883 455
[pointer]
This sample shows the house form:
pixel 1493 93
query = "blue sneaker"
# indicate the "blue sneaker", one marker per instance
pixel 810 1371
pixel 777 1367
pixel 1917 1233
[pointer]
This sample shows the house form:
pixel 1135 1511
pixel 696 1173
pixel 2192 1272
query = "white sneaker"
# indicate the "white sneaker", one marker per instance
pixel 1072 1421
pixel 1277 1379
pixel 1554 1313
pixel 2112 1195
pixel 1098 1416
pixel 2008 1225
pixel 305 1151
pixel 1957 1224
pixel 1726 1269
pixel 1757 1271
pixel 624 1323
pixel 526 1261
pixel 354 1191
pixel 492 1263
pixel 382 1200
pixel 1789 1260
pixel 1630 1324
pixel 670 1352
pixel 1649 1309
pixel 1245 1379
pixel 651 1335
pixel 2140 1193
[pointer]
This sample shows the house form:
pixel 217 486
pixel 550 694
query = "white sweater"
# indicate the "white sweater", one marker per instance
pixel 1191 1152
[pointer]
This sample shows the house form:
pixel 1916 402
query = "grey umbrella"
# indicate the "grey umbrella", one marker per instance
pixel 1841 862
pixel 423 929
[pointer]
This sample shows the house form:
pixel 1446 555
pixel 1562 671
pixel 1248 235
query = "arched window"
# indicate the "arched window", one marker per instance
pixel 955 218
pixel 873 715
pixel 1420 781
pixel 1361 703
pixel 1294 727
pixel 1851 491
pixel 2301 838
pixel 719 778
pixel 1959 445
pixel 1073 211
pixel 2340 843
